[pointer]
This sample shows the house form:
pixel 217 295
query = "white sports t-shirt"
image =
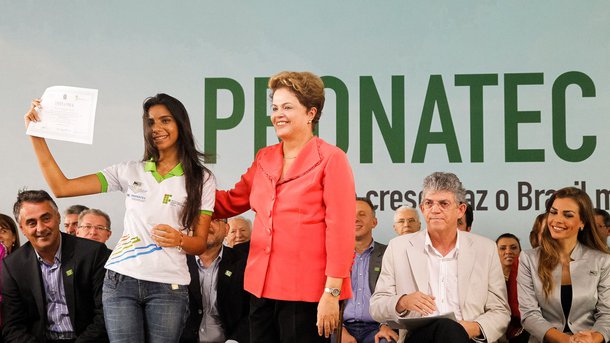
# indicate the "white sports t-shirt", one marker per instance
pixel 151 199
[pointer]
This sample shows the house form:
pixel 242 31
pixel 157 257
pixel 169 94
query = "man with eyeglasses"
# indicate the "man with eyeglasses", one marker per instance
pixel 442 270
pixel 94 224
pixel 406 220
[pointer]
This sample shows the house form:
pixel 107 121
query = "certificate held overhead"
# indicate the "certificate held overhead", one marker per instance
pixel 67 114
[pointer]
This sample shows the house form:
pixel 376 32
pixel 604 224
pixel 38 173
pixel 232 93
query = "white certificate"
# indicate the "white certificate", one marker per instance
pixel 67 114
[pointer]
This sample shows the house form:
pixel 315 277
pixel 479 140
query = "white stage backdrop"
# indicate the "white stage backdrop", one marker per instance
pixel 512 96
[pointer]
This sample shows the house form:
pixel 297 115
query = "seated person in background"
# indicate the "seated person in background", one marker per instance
pixel 442 270
pixel 602 222
pixel 94 224
pixel 358 326
pixel 9 237
pixel 220 313
pixel 52 285
pixel 509 249
pixel 71 218
pixel 537 229
pixel 406 220
pixel 240 229
pixel 564 285
pixel 465 222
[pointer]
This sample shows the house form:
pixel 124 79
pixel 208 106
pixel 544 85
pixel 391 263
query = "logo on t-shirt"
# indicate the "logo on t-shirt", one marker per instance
pixel 167 200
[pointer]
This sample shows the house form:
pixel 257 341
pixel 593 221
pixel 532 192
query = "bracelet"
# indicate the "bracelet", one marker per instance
pixel 181 240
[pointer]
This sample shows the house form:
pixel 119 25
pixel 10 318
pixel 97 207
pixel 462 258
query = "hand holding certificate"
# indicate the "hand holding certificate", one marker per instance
pixel 66 113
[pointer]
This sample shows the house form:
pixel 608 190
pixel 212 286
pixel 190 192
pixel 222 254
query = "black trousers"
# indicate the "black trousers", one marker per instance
pixel 442 330
pixel 277 321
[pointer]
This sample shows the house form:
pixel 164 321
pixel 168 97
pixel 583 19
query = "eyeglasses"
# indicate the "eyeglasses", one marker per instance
pixel 443 204
pixel 403 221
pixel 224 220
pixel 97 227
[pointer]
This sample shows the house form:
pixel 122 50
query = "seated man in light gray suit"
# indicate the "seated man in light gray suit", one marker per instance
pixel 443 270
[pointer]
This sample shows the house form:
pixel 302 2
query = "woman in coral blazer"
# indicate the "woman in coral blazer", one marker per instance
pixel 302 244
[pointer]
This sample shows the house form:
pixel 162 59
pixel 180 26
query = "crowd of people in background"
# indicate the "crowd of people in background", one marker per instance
pixel 188 267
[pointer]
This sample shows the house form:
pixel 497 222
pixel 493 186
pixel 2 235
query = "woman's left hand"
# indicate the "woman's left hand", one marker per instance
pixel 166 236
pixel 328 315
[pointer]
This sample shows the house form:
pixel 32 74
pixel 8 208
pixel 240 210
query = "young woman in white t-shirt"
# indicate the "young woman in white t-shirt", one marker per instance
pixel 169 203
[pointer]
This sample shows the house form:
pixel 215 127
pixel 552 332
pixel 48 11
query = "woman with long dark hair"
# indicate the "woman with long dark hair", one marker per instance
pixel 564 285
pixel 169 202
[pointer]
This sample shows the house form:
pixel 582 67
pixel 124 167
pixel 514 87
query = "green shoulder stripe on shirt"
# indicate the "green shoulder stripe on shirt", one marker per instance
pixel 103 182
pixel 206 212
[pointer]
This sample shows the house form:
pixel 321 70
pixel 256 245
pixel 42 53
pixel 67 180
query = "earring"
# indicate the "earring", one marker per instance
pixel 309 122
pixel 581 228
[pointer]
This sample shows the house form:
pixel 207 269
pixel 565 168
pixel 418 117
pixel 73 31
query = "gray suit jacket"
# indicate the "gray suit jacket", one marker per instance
pixel 481 285
pixel 590 310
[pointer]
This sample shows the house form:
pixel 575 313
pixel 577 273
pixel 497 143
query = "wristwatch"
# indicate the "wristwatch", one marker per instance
pixel 335 292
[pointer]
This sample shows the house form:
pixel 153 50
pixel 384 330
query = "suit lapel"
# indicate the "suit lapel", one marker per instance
pixel 465 261
pixel 37 292
pixel 417 260
pixel 67 274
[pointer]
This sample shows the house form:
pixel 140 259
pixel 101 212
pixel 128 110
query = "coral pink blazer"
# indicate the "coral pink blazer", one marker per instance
pixel 304 225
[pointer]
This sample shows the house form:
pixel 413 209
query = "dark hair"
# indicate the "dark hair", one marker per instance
pixel 536 228
pixel 8 223
pixel 469 215
pixel 306 86
pixel 35 196
pixel 195 173
pixel 76 209
pixel 588 236
pixel 509 235
pixel 368 202
pixel 605 214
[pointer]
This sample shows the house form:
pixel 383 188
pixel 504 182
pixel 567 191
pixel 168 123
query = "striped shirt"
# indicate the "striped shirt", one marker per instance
pixel 58 318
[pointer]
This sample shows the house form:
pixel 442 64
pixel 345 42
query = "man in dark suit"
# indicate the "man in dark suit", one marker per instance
pixel 218 304
pixel 52 285
pixel 358 325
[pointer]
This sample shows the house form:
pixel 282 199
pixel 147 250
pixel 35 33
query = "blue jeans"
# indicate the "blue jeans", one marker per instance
pixel 143 311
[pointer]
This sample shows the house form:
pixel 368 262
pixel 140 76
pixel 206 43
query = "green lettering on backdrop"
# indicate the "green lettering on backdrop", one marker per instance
pixel 212 122
pixel 261 119
pixel 476 82
pixel 559 117
pixel 342 110
pixel 371 105
pixel 435 95
pixel 512 118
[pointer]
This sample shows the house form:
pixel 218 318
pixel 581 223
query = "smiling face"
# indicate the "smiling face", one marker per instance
pixel 94 227
pixel 39 223
pixel 508 249
pixel 365 221
pixel 289 117
pixel 564 220
pixel 7 237
pixel 441 211
pixel 240 229
pixel 163 128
